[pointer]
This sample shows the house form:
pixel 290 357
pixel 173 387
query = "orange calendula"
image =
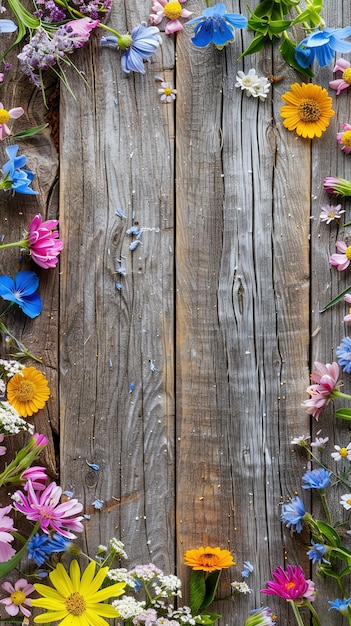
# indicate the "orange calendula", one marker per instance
pixel 28 391
pixel 208 559
pixel 307 111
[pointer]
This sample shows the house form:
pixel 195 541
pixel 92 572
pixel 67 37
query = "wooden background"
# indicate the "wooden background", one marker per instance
pixel 184 386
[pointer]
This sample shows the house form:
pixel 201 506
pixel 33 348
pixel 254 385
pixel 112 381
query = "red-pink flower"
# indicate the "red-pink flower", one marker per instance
pixel 344 138
pixel 341 261
pixel 6 528
pixel 45 508
pixel 345 81
pixel 80 30
pixel 290 584
pixel 43 242
pixel 172 10
pixel 17 600
pixel 324 381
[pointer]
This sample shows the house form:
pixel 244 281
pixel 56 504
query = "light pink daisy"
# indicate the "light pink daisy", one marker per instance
pixel 345 81
pixel 347 299
pixel 18 599
pixel 172 11
pixel 45 508
pixel 325 375
pixel 324 381
pixel 330 213
pixel 344 138
pixel 6 116
pixel 6 528
pixel 341 261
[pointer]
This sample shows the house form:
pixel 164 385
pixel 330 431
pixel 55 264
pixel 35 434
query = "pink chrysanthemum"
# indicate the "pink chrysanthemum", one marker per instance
pixel 341 261
pixel 18 599
pixel 172 11
pixel 324 381
pixel 290 584
pixel 345 81
pixel 344 138
pixel 6 116
pixel 6 528
pixel 43 241
pixel 44 507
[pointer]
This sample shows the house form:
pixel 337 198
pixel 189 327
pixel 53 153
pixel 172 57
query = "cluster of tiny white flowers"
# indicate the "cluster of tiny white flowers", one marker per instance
pixel 2 387
pixel 11 367
pixel 252 84
pixel 121 575
pixel 145 572
pixel 241 587
pixel 184 616
pixel 168 585
pixel 128 607
pixel 10 422
pixel 118 547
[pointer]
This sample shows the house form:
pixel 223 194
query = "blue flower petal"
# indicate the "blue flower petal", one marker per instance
pixel 7 286
pixel 26 282
pixel 32 305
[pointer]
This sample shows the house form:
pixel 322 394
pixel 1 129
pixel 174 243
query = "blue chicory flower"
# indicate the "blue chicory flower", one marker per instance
pixel 216 26
pixel 343 353
pixel 143 42
pixel 322 44
pixel 317 552
pixel 316 479
pixel 343 606
pixel 293 513
pixel 22 291
pixel 248 568
pixel 12 169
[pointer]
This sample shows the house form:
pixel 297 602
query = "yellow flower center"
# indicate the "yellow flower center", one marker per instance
pixel 167 91
pixel 348 253
pixel 17 597
pixel 348 501
pixel 25 391
pixel 173 10
pixel 331 214
pixel 346 138
pixel 343 452
pixel 346 76
pixel 309 111
pixel 4 116
pixel 75 603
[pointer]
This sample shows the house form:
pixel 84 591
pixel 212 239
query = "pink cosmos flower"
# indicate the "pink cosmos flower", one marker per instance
pixel 6 116
pixel 37 475
pixel 80 30
pixel 330 213
pixel 347 298
pixel 172 11
pixel 6 527
pixel 290 585
pixel 44 507
pixel 44 242
pixel 18 599
pixel 345 81
pixel 341 261
pixel 324 381
pixel 344 138
pixel 2 448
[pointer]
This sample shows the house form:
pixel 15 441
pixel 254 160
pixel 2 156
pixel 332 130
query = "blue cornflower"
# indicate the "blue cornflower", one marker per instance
pixel 37 548
pixel 317 552
pixel 248 568
pixel 316 479
pixel 293 513
pixel 343 606
pixel 15 177
pixel 322 44
pixel 137 47
pixel 58 543
pixel 343 353
pixel 216 26
pixel 21 291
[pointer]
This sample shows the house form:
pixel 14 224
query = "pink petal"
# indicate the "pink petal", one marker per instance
pixel 338 84
pixel 173 26
pixel 16 113
pixel 185 13
pixel 341 65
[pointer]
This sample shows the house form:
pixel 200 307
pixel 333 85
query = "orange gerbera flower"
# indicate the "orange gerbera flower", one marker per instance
pixel 28 391
pixel 208 559
pixel 308 109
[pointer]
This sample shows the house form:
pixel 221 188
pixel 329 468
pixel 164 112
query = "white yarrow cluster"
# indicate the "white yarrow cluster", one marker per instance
pixel 252 84
pixel 11 367
pixel 121 575
pixel 10 422
pixel 168 585
pixel 118 547
pixel 128 607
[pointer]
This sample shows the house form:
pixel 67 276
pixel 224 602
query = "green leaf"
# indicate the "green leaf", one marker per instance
pixel 343 553
pixel 197 590
pixel 343 414
pixel 309 15
pixel 287 50
pixel 336 300
pixel 329 533
pixel 208 618
pixel 29 132
pixel 278 26
pixel 211 584
pixel 256 44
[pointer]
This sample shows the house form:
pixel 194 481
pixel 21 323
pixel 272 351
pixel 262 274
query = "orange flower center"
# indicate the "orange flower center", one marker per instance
pixel 4 116
pixel 343 452
pixel 346 138
pixel 309 110
pixel 18 597
pixel 290 585
pixel 346 76
pixel 75 604
pixel 348 253
pixel 25 391
pixel 173 10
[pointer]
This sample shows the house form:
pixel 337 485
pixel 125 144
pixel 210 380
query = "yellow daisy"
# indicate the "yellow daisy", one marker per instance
pixel 308 110
pixel 208 559
pixel 28 391
pixel 76 600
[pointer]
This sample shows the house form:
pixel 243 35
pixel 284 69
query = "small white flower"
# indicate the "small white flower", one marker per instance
pixel 300 441
pixel 252 84
pixel 167 93
pixel 240 587
pixel 342 453
pixel 118 546
pixel 262 89
pixel 128 607
pixel 346 501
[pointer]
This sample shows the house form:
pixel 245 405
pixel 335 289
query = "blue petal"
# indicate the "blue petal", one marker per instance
pixel 32 305
pixel 7 286
pixel 26 282
pixel 131 61
pixel 217 10
pixel 304 57
pixel 324 55
pixel 222 34
pixel 339 46
pixel 318 38
pixel 235 19
pixel 7 26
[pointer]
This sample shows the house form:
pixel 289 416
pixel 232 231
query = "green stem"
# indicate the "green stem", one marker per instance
pixel 23 243
pixel 79 14
pixel 325 506
pixel 340 394
pixel 317 621
pixel 296 613
pixel 23 351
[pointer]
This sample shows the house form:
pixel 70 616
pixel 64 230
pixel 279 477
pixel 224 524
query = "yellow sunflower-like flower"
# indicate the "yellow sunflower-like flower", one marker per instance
pixel 76 600
pixel 28 391
pixel 208 559
pixel 308 110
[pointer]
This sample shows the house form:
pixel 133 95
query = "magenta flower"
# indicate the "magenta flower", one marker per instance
pixel 347 299
pixel 337 186
pixel 341 261
pixel 324 385
pixel 37 475
pixel 330 213
pixel 290 585
pixel 6 528
pixel 344 138
pixel 345 81
pixel 18 599
pixel 172 11
pixel 44 508
pixel 39 441
pixel 43 242
pixel 79 30
pixel 6 116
